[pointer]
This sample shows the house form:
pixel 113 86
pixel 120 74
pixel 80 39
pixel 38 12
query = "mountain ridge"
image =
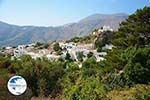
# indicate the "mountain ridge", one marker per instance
pixel 11 35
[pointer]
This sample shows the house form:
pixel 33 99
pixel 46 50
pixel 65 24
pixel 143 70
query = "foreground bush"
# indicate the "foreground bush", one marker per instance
pixel 138 92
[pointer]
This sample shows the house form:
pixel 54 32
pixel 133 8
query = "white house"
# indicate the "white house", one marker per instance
pixel 105 28
pixel 98 57
pixel 31 44
pixel 34 55
pixel 108 46
pixel 52 57
pixel 7 48
pixel 67 45
pixel 19 51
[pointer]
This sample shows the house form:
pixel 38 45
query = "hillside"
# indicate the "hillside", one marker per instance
pixel 11 35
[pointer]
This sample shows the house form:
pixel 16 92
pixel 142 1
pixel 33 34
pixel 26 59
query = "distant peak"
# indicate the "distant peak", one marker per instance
pixel 103 16
pixel 99 14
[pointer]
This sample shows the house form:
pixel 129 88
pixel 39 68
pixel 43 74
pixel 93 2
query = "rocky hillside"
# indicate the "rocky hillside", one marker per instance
pixel 11 35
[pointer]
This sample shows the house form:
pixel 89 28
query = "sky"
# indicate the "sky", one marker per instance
pixel 59 12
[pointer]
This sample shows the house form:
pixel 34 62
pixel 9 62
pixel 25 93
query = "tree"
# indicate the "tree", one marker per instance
pixel 75 39
pixel 46 45
pixel 128 63
pixel 137 69
pixel 5 61
pixel 135 31
pixel 38 44
pixel 56 47
pixel 68 57
pixel 99 49
pixel 42 75
pixel 80 86
pixel 128 68
pixel 103 39
pixel 80 56
pixel 90 54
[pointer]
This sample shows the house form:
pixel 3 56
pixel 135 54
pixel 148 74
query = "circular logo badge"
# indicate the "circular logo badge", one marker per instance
pixel 17 85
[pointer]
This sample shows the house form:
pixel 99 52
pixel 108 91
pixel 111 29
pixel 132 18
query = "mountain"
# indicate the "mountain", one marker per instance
pixel 11 35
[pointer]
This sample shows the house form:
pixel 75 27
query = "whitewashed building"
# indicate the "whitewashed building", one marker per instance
pixel 108 46
pixel 52 57
pixel 19 51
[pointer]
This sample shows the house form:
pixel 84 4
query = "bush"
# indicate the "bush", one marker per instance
pixel 5 62
pixel 90 54
pixel 128 67
pixel 137 92
pixel 41 75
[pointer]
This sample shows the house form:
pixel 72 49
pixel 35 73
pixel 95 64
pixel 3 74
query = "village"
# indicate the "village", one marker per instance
pixel 37 50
